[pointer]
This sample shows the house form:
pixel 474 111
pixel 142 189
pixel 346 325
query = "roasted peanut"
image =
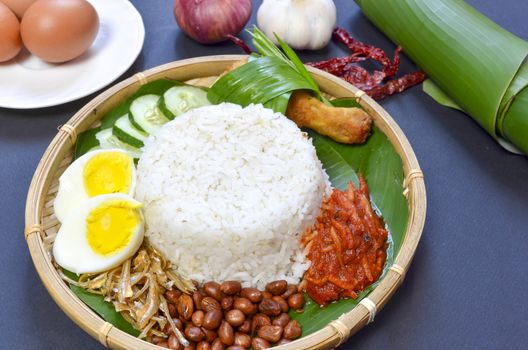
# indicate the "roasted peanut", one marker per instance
pixel 210 335
pixel 259 320
pixel 217 345
pixel 194 333
pixel 203 345
pixel 172 296
pixel 281 320
pixel 226 334
pixel 292 330
pixel 282 303
pixel 177 322
pixel 259 344
pixel 185 306
pixel 209 303
pixel 198 318
pixel 212 319
pixel 243 340
pixel 213 290
pixel 236 347
pixel 227 303
pixel 270 307
pixel 290 290
pixel 230 287
pixel 277 287
pixel 296 301
pixel 244 305
pixel 173 343
pixel 155 339
pixel 253 294
pixel 235 317
pixel 173 310
pixel 283 341
pixel 270 333
pixel 245 327
pixel 197 298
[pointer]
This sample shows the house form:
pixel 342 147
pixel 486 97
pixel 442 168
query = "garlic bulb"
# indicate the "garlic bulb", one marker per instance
pixel 302 24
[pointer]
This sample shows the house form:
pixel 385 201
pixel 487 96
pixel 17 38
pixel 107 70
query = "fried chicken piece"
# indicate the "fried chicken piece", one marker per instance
pixel 345 125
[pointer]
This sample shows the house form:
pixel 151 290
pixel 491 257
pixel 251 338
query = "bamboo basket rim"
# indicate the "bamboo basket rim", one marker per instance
pixel 332 335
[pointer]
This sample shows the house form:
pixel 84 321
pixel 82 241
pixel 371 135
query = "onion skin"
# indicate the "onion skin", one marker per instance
pixel 210 21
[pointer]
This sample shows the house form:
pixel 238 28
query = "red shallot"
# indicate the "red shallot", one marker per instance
pixel 211 21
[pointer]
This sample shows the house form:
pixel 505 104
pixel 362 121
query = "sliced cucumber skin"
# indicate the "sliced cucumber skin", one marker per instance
pixel 163 107
pixel 133 122
pixel 126 132
pixel 145 112
pixel 179 99
pixel 126 138
pixel 108 140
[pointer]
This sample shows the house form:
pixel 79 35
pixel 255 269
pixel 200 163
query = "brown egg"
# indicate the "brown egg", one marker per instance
pixel 18 6
pixel 59 30
pixel 10 44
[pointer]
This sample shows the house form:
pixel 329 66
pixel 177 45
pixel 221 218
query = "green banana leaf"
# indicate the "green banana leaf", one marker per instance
pixel 376 160
pixel 480 66
pixel 104 309
pixel 439 96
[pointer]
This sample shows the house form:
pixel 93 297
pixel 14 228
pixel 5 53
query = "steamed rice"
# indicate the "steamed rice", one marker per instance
pixel 227 192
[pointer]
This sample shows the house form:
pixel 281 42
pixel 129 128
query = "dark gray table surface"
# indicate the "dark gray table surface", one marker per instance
pixel 467 287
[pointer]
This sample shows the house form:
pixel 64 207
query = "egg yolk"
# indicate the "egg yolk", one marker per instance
pixel 110 226
pixel 108 172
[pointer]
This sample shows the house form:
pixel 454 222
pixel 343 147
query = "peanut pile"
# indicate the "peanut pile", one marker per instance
pixel 227 316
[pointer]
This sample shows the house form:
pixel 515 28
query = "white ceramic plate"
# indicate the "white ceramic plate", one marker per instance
pixel 27 82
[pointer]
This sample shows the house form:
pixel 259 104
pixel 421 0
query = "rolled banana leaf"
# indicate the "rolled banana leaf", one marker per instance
pixel 474 64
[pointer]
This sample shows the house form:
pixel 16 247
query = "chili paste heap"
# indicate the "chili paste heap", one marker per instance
pixel 347 246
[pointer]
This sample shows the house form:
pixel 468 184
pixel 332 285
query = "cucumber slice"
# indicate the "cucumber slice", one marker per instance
pixel 145 114
pixel 108 140
pixel 179 99
pixel 127 133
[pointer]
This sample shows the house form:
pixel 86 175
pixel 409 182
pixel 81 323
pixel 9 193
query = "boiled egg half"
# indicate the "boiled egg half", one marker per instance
pixel 101 234
pixel 93 174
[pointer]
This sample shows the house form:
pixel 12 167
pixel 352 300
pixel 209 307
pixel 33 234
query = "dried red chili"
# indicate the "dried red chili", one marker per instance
pixel 359 77
pixel 393 69
pixel 371 83
pixel 377 54
pixel 336 65
pixel 240 43
pixel 396 85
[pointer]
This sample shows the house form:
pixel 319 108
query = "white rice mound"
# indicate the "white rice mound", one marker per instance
pixel 227 191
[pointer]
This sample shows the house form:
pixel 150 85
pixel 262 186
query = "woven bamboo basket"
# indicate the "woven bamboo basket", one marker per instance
pixel 41 224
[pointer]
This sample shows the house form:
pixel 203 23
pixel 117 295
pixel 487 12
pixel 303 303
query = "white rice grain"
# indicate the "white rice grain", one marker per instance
pixel 227 191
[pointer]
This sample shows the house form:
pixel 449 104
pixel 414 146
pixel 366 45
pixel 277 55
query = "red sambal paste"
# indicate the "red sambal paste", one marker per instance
pixel 346 246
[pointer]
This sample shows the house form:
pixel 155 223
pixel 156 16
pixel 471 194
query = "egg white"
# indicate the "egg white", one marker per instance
pixel 71 191
pixel 71 249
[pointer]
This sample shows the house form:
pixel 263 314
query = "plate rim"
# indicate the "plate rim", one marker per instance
pixel 103 83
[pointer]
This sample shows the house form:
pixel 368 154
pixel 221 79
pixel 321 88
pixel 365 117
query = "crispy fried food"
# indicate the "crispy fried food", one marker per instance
pixel 346 125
